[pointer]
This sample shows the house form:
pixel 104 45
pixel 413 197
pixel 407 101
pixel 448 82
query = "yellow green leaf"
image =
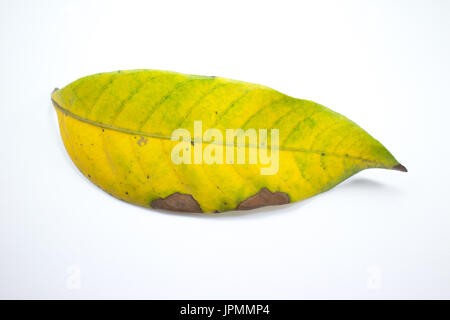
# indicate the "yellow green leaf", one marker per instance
pixel 117 127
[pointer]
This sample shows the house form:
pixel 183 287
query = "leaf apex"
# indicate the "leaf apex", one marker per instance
pixel 400 167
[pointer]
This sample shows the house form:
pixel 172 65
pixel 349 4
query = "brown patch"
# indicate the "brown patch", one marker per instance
pixel 177 202
pixel 142 141
pixel 400 167
pixel 264 198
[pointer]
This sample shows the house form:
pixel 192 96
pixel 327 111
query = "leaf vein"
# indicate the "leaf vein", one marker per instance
pixel 164 137
pixel 161 102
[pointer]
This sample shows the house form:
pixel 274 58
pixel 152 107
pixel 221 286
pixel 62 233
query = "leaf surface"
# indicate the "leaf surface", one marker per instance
pixel 117 129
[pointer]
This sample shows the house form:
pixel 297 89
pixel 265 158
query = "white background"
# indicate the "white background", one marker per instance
pixel 381 234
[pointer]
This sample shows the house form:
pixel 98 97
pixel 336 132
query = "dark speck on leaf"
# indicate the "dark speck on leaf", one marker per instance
pixel 148 177
pixel 192 142
pixel 126 192
pixel 323 154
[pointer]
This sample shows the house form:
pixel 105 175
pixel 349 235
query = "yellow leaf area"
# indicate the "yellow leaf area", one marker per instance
pixel 117 129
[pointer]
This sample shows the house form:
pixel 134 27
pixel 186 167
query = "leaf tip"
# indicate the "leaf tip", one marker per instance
pixel 400 167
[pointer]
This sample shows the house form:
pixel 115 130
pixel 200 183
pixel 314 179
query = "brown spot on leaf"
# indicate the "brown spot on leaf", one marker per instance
pixel 142 141
pixel 264 198
pixel 177 202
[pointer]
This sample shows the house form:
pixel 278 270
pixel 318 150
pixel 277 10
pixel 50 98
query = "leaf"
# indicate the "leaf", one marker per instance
pixel 117 129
